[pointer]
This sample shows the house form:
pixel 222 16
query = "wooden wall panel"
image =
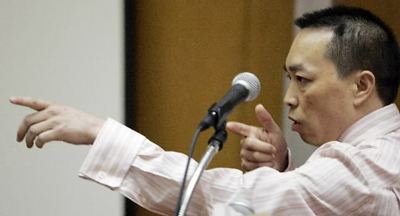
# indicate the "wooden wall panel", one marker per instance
pixel 186 54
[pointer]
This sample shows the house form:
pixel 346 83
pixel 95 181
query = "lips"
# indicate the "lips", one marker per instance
pixel 295 124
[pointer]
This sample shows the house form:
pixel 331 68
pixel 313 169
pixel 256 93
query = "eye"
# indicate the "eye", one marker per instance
pixel 302 80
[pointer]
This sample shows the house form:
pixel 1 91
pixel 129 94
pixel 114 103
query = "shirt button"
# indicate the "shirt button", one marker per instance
pixel 101 175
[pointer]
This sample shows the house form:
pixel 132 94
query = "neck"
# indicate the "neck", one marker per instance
pixel 374 103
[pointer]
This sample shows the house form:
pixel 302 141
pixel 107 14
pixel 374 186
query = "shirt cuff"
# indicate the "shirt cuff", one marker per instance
pixel 111 155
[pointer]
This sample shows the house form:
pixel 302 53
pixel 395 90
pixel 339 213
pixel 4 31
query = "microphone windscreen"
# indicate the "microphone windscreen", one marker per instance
pixel 250 82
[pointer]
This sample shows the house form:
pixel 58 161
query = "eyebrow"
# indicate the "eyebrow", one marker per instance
pixel 293 68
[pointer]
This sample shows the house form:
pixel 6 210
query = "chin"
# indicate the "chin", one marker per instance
pixel 311 140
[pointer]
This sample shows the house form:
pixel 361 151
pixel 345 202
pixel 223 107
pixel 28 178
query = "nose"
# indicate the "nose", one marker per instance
pixel 290 98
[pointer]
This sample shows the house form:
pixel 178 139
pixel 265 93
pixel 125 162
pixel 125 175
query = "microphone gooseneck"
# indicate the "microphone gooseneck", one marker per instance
pixel 245 87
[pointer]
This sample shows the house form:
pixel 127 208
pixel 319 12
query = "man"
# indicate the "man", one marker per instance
pixel 343 68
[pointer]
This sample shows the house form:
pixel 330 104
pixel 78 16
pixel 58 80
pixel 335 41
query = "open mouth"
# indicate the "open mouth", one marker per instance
pixel 295 124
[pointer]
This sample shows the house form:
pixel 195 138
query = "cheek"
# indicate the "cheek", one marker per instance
pixel 325 111
pixel 325 100
pixel 316 110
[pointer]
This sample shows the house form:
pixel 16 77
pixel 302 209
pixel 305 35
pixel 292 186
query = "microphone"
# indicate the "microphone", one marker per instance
pixel 245 87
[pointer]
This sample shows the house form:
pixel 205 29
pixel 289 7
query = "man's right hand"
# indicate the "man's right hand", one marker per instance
pixel 55 122
pixel 261 146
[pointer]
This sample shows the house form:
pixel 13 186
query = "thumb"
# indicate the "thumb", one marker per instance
pixel 266 120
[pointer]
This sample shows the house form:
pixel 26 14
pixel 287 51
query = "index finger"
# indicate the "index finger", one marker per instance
pixel 240 128
pixel 33 103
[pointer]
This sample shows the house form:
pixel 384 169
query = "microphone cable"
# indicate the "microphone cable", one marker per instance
pixel 195 137
pixel 245 87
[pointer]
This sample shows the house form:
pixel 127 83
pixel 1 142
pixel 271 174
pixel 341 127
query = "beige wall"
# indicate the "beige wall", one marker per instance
pixel 71 52
pixel 188 53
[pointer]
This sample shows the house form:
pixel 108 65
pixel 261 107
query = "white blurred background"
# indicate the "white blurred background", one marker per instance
pixel 68 51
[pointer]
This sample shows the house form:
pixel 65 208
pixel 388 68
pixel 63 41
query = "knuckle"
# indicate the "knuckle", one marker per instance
pixel 53 122
pixel 253 130
pixel 242 153
pixel 60 130
pixel 55 109
pixel 52 111
pixel 33 130
pixel 251 140
pixel 40 138
pixel 247 143
pixel 256 156
pixel 242 142
pixel 35 103
pixel 272 149
pixel 27 121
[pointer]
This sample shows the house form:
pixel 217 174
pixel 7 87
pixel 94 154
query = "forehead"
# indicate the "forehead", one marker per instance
pixel 309 46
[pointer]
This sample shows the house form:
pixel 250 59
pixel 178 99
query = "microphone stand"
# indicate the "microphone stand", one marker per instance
pixel 215 144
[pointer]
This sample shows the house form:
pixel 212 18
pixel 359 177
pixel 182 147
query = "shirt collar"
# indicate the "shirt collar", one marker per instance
pixel 374 124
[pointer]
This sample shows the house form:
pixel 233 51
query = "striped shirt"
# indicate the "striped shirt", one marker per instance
pixel 359 174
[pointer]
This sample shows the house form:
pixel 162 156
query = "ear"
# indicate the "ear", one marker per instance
pixel 365 86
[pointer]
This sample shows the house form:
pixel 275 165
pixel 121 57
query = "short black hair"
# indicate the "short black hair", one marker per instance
pixel 361 41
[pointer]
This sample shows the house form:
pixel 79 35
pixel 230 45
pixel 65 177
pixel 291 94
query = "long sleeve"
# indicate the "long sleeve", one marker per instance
pixel 124 160
pixel 332 182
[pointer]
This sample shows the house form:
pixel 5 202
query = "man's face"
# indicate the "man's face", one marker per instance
pixel 320 102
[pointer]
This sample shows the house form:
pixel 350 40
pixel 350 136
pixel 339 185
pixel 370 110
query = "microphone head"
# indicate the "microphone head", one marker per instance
pixel 250 82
